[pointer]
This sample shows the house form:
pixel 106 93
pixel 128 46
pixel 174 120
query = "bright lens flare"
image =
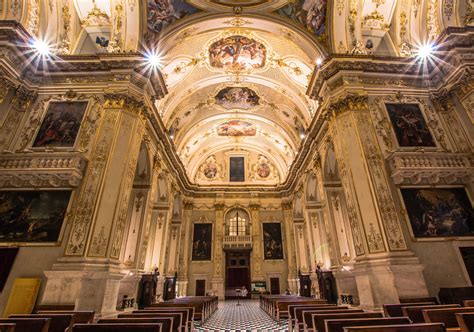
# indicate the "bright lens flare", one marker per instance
pixel 153 60
pixel 319 61
pixel 425 51
pixel 41 47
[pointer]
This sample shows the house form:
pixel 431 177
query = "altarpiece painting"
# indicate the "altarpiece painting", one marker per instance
pixel 272 241
pixel 202 242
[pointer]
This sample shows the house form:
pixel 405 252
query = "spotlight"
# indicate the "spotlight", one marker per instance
pixel 41 47
pixel 425 51
pixel 153 59
pixel 319 61
pixel 302 135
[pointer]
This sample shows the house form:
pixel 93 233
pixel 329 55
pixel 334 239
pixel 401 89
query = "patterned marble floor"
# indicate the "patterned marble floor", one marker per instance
pixel 246 317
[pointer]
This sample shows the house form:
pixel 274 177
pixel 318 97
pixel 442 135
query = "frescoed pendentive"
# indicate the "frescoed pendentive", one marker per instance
pixel 237 53
pixel 309 13
pixel 272 241
pixel 202 242
pixel 263 169
pixel 61 124
pixel 161 13
pixel 210 169
pixel 237 97
pixel 409 125
pixel 439 212
pixel 236 128
pixel 32 216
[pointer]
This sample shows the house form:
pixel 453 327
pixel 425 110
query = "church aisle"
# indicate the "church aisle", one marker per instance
pixel 246 317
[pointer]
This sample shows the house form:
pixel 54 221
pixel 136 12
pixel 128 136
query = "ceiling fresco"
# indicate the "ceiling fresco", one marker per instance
pixel 237 97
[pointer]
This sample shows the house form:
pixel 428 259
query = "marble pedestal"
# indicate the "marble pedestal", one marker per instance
pixel 346 284
pixel 182 287
pixel 129 287
pixel 293 285
pixel 218 287
pixel 386 278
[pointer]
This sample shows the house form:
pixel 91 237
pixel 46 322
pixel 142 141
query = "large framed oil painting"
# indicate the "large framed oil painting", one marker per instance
pixel 272 241
pixel 237 53
pixel 161 13
pixel 61 124
pixel 32 217
pixel 439 212
pixel 237 97
pixel 202 242
pixel 409 125
pixel 309 13
pixel 7 258
pixel 467 254
pixel 237 169
pixel 236 128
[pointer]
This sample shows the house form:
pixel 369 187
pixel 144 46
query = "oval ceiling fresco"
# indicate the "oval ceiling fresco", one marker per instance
pixel 237 53
pixel 237 97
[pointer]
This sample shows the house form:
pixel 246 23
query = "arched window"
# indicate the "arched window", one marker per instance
pixel 237 222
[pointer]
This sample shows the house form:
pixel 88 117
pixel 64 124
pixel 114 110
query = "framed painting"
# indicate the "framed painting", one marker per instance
pixel 61 124
pixel 467 254
pixel 202 242
pixel 32 217
pixel 409 125
pixel 237 53
pixel 439 212
pixel 7 258
pixel 237 169
pixel 272 241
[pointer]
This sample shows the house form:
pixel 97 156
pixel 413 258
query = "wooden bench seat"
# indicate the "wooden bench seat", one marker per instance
pixel 337 325
pixel 177 318
pixel 59 322
pixel 7 327
pixel 189 313
pixel 55 307
pixel 419 299
pixel 281 307
pixel 308 319
pixel 468 303
pixel 185 322
pixel 416 313
pixel 293 319
pixel 395 309
pixel 142 327
pixel 445 316
pixel 28 324
pixel 465 321
pixel 319 319
pixel 81 317
pixel 398 328
pixel 166 323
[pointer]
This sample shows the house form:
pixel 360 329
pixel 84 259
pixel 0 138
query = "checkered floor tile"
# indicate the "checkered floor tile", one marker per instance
pixel 247 317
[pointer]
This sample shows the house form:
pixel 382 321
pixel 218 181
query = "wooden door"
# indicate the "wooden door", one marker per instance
pixel 200 287
pixel 274 285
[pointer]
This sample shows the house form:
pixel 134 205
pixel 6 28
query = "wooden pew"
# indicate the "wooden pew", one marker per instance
pixel 204 305
pixel 186 314
pixel 282 306
pixel 337 325
pixel 446 316
pixel 395 309
pixel 398 328
pixel 416 313
pixel 59 322
pixel 142 327
pixel 166 323
pixel 308 318
pixel 177 318
pixel 55 307
pixel 28 324
pixel 7 327
pixel 419 299
pixel 293 319
pixel 466 322
pixel 319 319
pixel 468 303
pixel 81 317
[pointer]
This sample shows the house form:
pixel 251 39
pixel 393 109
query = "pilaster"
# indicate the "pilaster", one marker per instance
pixel 217 281
pixel 185 249
pixel 290 247
pixel 257 255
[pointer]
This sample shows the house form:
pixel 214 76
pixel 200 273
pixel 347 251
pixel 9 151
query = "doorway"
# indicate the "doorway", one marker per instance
pixel 200 287
pixel 237 272
pixel 275 286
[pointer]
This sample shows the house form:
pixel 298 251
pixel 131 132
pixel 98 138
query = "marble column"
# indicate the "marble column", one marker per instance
pixel 217 281
pixel 89 273
pixel 383 258
pixel 185 249
pixel 289 237
pixel 257 241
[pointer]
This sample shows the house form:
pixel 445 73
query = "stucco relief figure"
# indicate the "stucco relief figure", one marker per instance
pixel 409 125
pixel 237 97
pixel 309 13
pixel 236 128
pixel 272 241
pixel 61 124
pixel 237 53
pixel 32 216
pixel 439 212
pixel 162 13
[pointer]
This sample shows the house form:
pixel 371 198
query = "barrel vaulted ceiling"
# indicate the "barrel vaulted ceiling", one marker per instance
pixel 237 72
